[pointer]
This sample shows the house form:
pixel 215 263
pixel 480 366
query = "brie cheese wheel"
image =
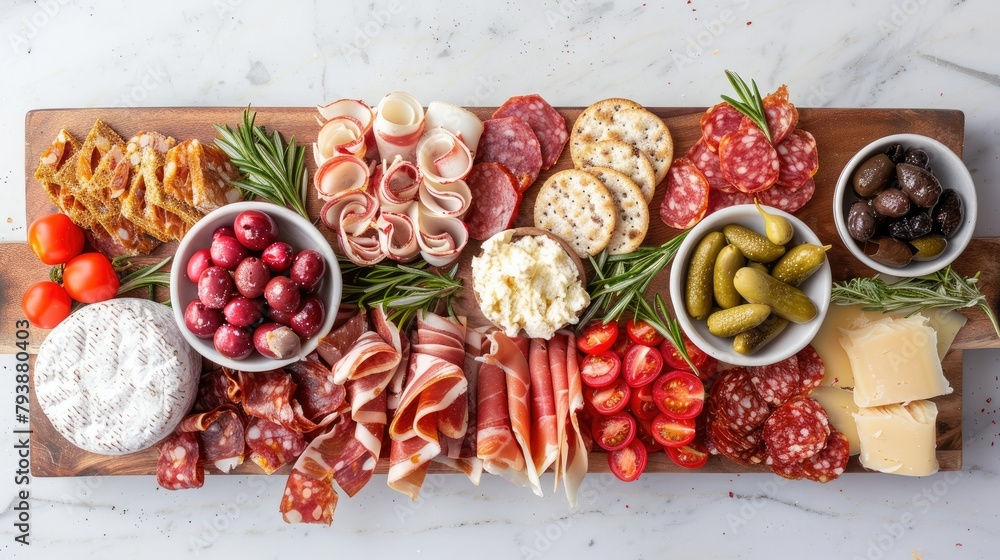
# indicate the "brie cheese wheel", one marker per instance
pixel 116 377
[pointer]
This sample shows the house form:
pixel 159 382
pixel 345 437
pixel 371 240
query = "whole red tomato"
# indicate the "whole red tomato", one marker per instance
pixel 90 278
pixel 55 239
pixel 46 304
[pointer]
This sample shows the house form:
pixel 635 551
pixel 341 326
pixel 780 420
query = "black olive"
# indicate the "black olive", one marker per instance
pixel 892 203
pixel 895 153
pixel 873 176
pixel 948 214
pixel 918 184
pixel 861 221
pixel 911 227
pixel 889 251
pixel 916 156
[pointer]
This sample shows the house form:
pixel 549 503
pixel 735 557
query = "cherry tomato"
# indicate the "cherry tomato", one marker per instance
pixel 628 462
pixel 641 404
pixel 642 365
pixel 670 432
pixel 613 432
pixel 643 333
pixel 609 400
pixel 644 433
pixel 691 456
pixel 90 278
pixel 679 394
pixel 597 337
pixel 46 304
pixel 674 359
pixel 55 239
pixel 600 370
pixel 621 346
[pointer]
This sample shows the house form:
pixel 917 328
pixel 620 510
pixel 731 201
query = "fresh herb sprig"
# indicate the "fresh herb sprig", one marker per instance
pixel 944 289
pixel 270 168
pixel 660 319
pixel 401 289
pixel 149 277
pixel 751 104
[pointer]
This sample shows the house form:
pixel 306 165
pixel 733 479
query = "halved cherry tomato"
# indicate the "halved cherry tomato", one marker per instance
pixel 679 394
pixel 609 400
pixel 55 239
pixel 597 337
pixel 643 333
pixel 671 432
pixel 621 346
pixel 691 456
pixel 628 462
pixel 641 404
pixel 642 365
pixel 90 278
pixel 674 359
pixel 644 433
pixel 600 370
pixel 613 432
pixel 46 304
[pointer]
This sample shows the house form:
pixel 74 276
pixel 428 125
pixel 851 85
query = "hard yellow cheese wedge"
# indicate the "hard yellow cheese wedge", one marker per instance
pixel 840 407
pixel 899 439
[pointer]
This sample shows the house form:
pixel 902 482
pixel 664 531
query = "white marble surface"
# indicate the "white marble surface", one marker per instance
pixel 902 53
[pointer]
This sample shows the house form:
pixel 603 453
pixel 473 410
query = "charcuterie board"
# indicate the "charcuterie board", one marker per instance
pixel 839 134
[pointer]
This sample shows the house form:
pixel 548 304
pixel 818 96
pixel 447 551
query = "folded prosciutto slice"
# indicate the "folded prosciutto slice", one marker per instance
pixel 544 431
pixel 462 122
pixel 339 135
pixel 396 184
pixel 399 123
pixel 340 173
pixel 356 109
pixel 442 157
pixel 574 461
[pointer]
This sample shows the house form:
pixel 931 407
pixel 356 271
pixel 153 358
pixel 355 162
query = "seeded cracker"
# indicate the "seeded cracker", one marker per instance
pixel 622 158
pixel 592 124
pixel 577 207
pixel 633 211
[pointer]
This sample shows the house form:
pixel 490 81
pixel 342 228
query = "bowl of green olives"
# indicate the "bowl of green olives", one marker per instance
pixel 905 205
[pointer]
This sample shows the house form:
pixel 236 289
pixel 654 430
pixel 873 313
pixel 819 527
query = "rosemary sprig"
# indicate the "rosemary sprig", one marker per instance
pixel 270 168
pixel 751 104
pixel 660 319
pixel 401 289
pixel 943 289
pixel 148 277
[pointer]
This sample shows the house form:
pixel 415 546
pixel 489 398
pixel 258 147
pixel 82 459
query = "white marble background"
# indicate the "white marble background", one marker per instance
pixel 901 53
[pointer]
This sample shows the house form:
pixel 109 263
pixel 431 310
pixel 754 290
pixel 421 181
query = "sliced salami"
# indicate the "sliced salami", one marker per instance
pixel 213 390
pixel 177 467
pixel 707 161
pixel 777 383
pixel 510 142
pixel 496 197
pixel 748 160
pixel 273 445
pixel 798 159
pixel 220 434
pixel 788 199
pixel 739 404
pixel 718 122
pixel 269 395
pixel 717 200
pixel 316 390
pixel 307 500
pixel 796 431
pixel 781 115
pixel 829 463
pixel 547 124
pixel 811 368
pixel 686 200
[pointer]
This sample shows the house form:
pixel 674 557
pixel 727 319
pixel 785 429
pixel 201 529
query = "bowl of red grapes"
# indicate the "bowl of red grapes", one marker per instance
pixel 254 286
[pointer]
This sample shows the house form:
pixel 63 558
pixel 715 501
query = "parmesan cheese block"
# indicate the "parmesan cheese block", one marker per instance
pixel 899 439
pixel 894 361
pixel 840 407
pixel 116 377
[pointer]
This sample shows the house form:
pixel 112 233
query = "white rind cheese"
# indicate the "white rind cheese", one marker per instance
pixel 899 439
pixel 117 377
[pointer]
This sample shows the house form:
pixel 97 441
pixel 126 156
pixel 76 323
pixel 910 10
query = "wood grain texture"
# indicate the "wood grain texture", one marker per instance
pixel 839 133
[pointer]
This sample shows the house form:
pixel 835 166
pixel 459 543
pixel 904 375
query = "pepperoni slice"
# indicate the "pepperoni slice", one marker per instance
pixel 307 500
pixel 547 124
pixel 220 434
pixel 781 115
pixel 717 200
pixel 177 467
pixel 738 403
pixel 798 159
pixel 510 142
pixel 686 200
pixel 273 445
pixel 748 160
pixel 796 431
pixel 496 197
pixel 811 368
pixel 777 383
pixel 829 463
pixel 316 391
pixel 718 122
pixel 707 161
pixel 788 199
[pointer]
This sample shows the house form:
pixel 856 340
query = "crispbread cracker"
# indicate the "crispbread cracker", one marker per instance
pixel 593 122
pixel 577 207
pixel 633 210
pixel 623 158
pixel 649 133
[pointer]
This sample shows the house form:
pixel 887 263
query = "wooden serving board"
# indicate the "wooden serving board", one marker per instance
pixel 840 133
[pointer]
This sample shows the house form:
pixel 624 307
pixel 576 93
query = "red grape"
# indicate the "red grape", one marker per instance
pixel 233 342
pixel 278 256
pixel 202 321
pixel 251 277
pixel 242 311
pixel 282 294
pixel 227 252
pixel 223 231
pixel 309 318
pixel 215 285
pixel 255 230
pixel 199 261
pixel 307 270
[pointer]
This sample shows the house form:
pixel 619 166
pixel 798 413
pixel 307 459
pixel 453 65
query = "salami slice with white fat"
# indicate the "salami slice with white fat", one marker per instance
pixel 717 200
pixel 686 200
pixel 798 159
pixel 496 198
pixel 748 160
pixel 272 445
pixel 777 383
pixel 796 430
pixel 831 461
pixel 781 115
pixel 707 161
pixel 547 124
pixel 307 500
pixel 718 122
pixel 739 404
pixel 177 467
pixel 788 199
pixel 510 142
pixel 811 368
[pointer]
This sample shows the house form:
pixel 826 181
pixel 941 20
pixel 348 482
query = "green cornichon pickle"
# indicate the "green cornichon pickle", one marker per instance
pixel 786 301
pixel 698 288
pixel 799 263
pixel 750 341
pixel 753 245
pixel 733 321
pixel 729 261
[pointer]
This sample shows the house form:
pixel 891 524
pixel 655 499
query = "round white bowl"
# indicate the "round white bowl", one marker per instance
pixel 950 172
pixel 795 336
pixel 292 229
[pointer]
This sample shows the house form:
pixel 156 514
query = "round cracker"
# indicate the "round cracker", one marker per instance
pixel 624 158
pixel 633 210
pixel 577 207
pixel 592 123
pixel 649 133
